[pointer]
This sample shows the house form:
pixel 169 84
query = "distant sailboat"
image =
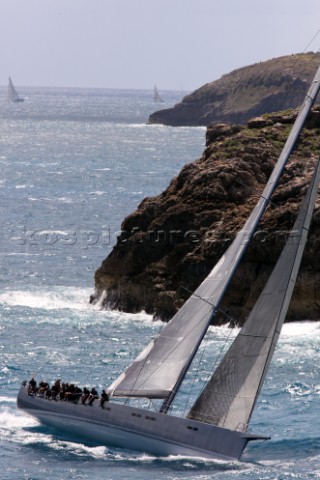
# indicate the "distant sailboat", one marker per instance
pixel 13 95
pixel 216 426
pixel 156 95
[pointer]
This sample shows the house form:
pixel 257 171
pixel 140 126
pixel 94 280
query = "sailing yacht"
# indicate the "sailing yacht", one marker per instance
pixel 156 95
pixel 217 424
pixel 13 95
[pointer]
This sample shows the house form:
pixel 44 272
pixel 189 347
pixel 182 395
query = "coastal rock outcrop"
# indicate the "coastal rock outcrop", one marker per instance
pixel 247 92
pixel 172 241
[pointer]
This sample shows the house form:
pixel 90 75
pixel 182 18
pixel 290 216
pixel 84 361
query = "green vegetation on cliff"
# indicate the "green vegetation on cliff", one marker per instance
pixel 236 97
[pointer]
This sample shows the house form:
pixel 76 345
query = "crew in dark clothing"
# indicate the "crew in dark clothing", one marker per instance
pixel 54 392
pixel 55 389
pixel 104 398
pixel 77 394
pixel 85 395
pixel 32 387
pixel 69 393
pixel 43 387
pixel 93 395
pixel 62 391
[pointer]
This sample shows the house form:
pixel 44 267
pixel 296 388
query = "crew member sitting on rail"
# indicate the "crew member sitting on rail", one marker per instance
pixel 104 398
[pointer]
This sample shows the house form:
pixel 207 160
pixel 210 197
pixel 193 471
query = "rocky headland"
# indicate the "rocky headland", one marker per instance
pixel 172 241
pixel 264 87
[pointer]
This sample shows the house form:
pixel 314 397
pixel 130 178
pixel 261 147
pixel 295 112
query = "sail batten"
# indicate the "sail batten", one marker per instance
pixel 229 397
pixel 191 322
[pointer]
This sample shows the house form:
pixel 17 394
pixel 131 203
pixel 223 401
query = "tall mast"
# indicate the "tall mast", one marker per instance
pixel 160 369
pixel 230 395
pixel 243 238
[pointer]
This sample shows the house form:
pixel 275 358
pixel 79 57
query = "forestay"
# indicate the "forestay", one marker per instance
pixel 159 370
pixel 229 397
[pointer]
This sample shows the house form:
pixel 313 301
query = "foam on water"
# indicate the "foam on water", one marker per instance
pixel 4 399
pixel 64 298
pixel 80 159
pixel 300 329
pixel 12 426
pixel 81 450
pixel 22 429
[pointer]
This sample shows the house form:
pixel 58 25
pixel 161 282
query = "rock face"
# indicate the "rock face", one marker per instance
pixel 172 241
pixel 265 87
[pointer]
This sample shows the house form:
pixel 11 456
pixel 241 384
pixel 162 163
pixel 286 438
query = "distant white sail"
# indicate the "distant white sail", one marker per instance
pixel 156 95
pixel 13 95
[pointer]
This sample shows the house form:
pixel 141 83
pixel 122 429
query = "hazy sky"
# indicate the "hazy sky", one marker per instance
pixel 136 43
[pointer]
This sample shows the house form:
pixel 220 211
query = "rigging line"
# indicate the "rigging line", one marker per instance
pixel 194 377
pixel 231 320
pixel 88 375
pixel 128 397
pixel 226 340
pixel 165 358
pixel 305 224
pixel 218 357
pixel 225 313
pixel 155 367
pixel 112 326
pixel 198 296
pixel 92 367
pixel 40 370
pixel 314 36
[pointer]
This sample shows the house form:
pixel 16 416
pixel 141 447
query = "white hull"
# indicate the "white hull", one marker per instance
pixel 137 429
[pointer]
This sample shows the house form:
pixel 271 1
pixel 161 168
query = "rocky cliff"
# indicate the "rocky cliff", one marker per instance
pixel 172 241
pixel 265 87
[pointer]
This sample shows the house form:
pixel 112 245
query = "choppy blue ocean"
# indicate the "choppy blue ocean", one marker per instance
pixel 74 163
